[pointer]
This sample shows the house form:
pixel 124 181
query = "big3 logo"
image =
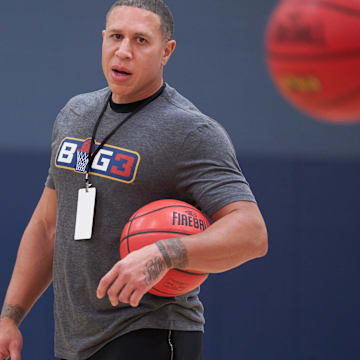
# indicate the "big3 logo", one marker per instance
pixel 110 162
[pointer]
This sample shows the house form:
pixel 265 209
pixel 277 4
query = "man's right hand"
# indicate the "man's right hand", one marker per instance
pixel 10 340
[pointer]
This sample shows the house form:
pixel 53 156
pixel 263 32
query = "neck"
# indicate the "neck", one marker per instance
pixel 130 107
pixel 119 98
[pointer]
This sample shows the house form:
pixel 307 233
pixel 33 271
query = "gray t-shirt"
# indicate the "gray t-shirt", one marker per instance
pixel 168 150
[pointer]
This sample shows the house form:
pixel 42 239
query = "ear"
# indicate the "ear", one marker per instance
pixel 168 50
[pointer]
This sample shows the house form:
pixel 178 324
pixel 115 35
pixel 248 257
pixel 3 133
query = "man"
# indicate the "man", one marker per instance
pixel 139 140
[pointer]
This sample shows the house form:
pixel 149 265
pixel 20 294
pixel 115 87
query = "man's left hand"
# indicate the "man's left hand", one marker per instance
pixel 130 278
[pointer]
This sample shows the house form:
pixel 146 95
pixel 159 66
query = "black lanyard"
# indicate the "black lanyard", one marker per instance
pixel 91 156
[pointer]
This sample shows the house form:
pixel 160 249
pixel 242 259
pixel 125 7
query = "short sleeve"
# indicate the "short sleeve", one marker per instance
pixel 54 143
pixel 50 181
pixel 208 171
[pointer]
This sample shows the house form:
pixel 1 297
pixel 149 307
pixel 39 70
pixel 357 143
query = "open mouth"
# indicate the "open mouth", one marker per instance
pixel 121 72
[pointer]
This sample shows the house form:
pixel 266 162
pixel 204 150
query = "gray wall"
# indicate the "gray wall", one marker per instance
pixel 301 301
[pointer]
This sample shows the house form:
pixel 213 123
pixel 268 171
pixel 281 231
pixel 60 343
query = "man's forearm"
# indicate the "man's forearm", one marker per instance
pixel 33 268
pixel 13 312
pixel 231 241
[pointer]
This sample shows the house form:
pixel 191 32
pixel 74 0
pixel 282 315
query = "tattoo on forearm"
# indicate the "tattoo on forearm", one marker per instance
pixel 174 253
pixel 13 312
pixel 164 253
pixel 153 269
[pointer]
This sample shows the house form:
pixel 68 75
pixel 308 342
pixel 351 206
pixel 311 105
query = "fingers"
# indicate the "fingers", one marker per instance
pixel 122 290
pixel 125 293
pixel 105 282
pixel 135 298
pixel 121 286
pixel 13 352
pixel 15 349
pixel 115 290
pixel 131 277
pixel 115 285
pixel 4 352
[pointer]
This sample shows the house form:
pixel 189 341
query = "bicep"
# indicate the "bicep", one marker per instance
pixel 243 220
pixel 247 208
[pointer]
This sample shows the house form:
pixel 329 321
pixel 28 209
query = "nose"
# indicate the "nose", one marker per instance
pixel 124 49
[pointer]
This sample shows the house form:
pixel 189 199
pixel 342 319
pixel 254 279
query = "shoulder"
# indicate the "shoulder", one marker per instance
pixel 185 110
pixel 79 107
pixel 86 103
pixel 178 108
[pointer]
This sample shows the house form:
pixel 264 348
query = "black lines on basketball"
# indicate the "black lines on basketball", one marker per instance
pixel 329 56
pixel 342 99
pixel 191 272
pixel 163 292
pixel 153 232
pixel 127 241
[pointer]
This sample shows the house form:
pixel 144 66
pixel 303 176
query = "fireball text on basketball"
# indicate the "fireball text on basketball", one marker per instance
pixel 186 220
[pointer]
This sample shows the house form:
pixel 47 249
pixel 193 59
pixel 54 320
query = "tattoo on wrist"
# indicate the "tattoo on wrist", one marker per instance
pixel 13 312
pixel 153 269
pixel 164 253
pixel 174 253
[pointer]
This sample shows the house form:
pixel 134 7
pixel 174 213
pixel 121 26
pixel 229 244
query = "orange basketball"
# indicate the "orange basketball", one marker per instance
pixel 313 54
pixel 164 219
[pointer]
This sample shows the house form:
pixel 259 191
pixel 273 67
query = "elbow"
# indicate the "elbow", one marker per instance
pixel 259 239
pixel 263 246
pixel 260 242
pixel 255 244
pixel 254 237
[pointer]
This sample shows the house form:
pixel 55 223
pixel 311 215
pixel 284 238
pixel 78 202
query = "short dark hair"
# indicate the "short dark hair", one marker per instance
pixel 157 7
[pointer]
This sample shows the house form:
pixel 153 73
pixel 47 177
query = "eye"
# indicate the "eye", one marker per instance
pixel 141 40
pixel 116 36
